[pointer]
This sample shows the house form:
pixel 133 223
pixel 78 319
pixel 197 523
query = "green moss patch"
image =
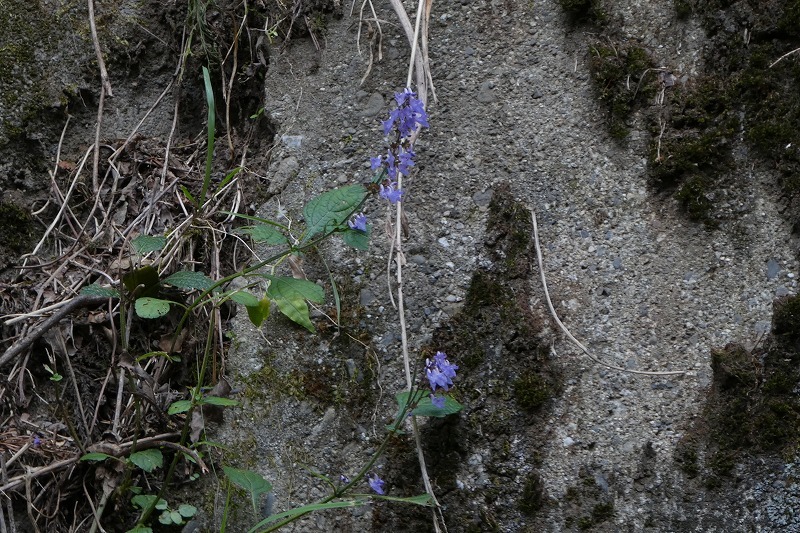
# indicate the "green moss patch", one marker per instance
pixel 753 407
pixel 624 79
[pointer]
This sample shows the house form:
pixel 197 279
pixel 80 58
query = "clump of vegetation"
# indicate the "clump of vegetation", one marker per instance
pixel 585 10
pixel 691 152
pixel 533 494
pixel 531 391
pixel 589 503
pixel 624 78
pixel 752 407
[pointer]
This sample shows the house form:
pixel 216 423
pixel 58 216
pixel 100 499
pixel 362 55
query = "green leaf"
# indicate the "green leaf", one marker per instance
pixel 249 481
pixel 244 298
pixel 151 307
pixel 357 239
pixel 187 279
pixel 212 112
pixel 281 286
pixel 258 314
pixel 95 456
pixel 290 294
pixel 423 499
pixel 147 460
pixel 144 244
pixel 296 309
pixel 186 510
pixel 257 310
pixel 263 233
pixel 181 406
pixel 216 400
pixel 363 499
pixel 146 276
pixel 176 517
pixel 188 195
pixel 140 529
pixel 228 178
pixel 165 518
pixel 424 406
pixel 332 209
pixel 143 501
pixel 96 290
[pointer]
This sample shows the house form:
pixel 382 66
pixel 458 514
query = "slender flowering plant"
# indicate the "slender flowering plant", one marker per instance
pixel 399 158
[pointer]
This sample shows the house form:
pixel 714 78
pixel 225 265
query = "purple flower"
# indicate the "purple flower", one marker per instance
pixel 375 162
pixel 405 162
pixel 409 113
pixel 344 479
pixel 376 483
pixel 391 192
pixel 438 401
pixel 358 222
pixel 440 371
pixel 37 441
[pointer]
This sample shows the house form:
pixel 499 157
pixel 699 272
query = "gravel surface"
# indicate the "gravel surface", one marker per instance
pixel 641 286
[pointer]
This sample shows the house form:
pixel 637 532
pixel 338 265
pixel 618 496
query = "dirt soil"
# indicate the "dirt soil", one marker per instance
pixel 549 440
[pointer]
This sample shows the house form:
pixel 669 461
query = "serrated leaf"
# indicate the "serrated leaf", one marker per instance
pixel 95 456
pixel 187 279
pixel 252 482
pixel 147 460
pixel 181 406
pixel 263 233
pixel 357 239
pixel 331 209
pixel 96 290
pixel 186 510
pixel 151 307
pixel 144 244
pixel 216 400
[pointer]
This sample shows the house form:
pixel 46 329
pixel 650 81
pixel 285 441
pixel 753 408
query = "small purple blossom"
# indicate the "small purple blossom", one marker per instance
pixel 376 484
pixel 391 192
pixel 344 479
pixel 438 401
pixel 440 371
pixel 37 441
pixel 358 222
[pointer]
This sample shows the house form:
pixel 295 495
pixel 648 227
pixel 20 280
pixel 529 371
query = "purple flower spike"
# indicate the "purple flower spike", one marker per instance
pixel 440 371
pixel 391 192
pixel 358 222
pixel 376 484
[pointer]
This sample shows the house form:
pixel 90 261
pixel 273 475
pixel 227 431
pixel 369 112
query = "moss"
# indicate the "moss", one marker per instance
pixel 533 496
pixel 592 11
pixel 531 391
pixel 18 227
pixel 752 408
pixel 624 79
pixel 683 8
pixel 694 197
pixel 741 80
